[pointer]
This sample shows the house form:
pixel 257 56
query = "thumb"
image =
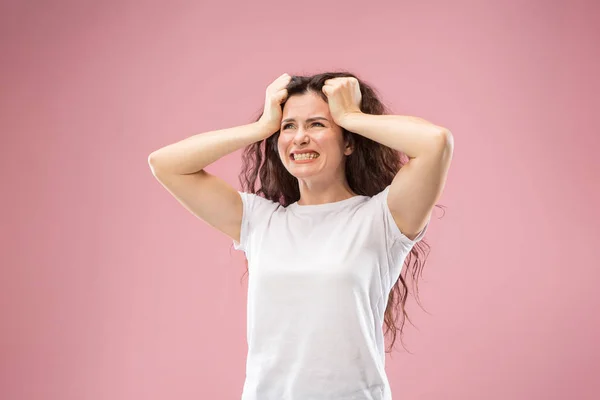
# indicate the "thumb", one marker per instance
pixel 326 90
pixel 281 96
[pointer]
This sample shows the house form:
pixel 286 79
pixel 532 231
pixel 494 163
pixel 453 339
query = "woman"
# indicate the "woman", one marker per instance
pixel 326 233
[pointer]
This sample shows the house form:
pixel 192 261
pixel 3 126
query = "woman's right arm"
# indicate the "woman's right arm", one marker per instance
pixel 179 167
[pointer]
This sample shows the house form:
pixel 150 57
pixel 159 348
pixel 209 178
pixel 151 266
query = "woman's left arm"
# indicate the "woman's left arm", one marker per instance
pixel 418 185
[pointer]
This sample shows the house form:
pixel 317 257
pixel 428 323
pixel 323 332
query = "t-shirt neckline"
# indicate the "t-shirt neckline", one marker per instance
pixel 326 206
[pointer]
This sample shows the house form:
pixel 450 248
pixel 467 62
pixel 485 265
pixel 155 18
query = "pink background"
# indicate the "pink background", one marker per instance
pixel 111 290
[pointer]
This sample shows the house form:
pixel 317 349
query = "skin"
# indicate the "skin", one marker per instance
pixel 322 180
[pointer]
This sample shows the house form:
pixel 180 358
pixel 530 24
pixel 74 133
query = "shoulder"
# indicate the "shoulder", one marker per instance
pixel 380 208
pixel 255 203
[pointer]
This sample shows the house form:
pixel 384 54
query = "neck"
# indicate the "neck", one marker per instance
pixel 313 193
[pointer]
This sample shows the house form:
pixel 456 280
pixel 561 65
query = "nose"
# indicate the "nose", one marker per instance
pixel 300 137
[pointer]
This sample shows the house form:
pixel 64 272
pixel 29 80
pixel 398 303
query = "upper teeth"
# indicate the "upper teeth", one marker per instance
pixel 305 156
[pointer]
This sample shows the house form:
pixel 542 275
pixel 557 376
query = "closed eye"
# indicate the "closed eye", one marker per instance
pixel 314 123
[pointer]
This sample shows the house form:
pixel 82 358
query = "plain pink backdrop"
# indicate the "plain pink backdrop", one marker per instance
pixel 110 289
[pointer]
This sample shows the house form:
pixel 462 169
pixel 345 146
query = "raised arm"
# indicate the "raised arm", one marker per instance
pixel 179 167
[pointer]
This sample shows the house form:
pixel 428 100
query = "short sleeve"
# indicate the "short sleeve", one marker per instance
pixel 392 231
pixel 247 202
pixel 256 213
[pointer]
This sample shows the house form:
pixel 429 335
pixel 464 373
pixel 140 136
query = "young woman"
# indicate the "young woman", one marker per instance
pixel 326 233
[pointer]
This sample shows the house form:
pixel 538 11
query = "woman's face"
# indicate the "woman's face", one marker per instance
pixel 301 133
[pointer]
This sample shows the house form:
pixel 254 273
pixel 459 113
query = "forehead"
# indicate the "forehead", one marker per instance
pixel 304 105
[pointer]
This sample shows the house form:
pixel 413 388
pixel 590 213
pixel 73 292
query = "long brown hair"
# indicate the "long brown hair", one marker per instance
pixel 369 169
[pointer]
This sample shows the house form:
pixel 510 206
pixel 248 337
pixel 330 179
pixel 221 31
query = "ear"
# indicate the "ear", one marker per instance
pixel 349 149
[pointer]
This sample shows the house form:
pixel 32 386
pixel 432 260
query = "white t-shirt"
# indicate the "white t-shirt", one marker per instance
pixel 319 280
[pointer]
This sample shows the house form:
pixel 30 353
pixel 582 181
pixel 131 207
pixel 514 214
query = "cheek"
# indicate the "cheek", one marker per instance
pixel 331 146
pixel 281 148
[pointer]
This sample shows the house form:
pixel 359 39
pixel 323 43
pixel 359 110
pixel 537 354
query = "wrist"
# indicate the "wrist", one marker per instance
pixel 348 118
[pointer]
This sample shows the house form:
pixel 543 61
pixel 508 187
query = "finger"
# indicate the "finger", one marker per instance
pixel 281 95
pixel 284 77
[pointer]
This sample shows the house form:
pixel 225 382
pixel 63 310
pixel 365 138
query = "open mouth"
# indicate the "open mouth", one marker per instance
pixel 304 156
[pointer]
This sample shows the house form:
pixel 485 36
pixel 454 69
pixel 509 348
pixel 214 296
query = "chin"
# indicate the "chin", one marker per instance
pixel 302 174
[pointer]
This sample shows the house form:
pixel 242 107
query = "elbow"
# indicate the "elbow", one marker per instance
pixel 153 162
pixel 152 158
pixel 445 139
pixel 442 143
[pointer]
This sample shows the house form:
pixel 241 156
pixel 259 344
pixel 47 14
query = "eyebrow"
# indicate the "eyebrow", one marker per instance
pixel 307 120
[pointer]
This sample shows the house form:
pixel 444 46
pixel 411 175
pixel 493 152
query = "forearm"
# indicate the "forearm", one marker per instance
pixel 194 153
pixel 411 135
